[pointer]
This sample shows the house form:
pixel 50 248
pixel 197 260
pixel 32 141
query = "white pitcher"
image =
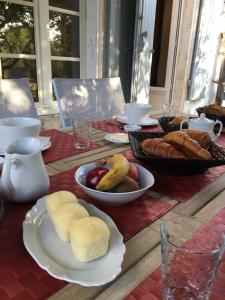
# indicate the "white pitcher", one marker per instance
pixel 24 176
pixel 204 124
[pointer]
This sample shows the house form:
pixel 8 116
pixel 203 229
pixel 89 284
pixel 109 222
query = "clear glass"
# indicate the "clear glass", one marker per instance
pixel 66 4
pixel 21 68
pixel 64 34
pixel 82 128
pixel 169 110
pixel 65 69
pixel 191 252
pixel 16 29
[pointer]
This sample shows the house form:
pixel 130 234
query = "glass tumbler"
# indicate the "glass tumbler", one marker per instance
pixel 82 132
pixel 191 251
pixel 169 110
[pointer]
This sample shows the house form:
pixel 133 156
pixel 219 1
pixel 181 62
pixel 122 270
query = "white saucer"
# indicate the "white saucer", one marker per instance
pixel 117 138
pixel 44 141
pixel 147 122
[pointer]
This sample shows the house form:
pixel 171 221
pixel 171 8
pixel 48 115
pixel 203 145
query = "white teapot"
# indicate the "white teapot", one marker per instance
pixel 24 176
pixel 204 124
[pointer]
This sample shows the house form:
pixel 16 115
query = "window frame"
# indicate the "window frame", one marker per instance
pixel 42 55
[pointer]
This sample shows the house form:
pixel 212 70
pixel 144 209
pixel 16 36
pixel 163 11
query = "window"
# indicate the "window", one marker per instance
pixel 40 40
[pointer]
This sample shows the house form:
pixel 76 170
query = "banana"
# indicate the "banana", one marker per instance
pixel 119 168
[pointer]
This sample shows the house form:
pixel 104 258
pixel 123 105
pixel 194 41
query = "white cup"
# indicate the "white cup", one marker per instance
pixel 82 132
pixel 18 127
pixel 136 112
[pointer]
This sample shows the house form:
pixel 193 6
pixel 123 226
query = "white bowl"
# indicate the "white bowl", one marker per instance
pixel 137 112
pixel 146 181
pixel 18 127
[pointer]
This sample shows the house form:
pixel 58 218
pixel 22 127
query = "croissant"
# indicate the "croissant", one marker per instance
pixel 215 107
pixel 177 120
pixel 203 138
pixel 159 147
pixel 192 147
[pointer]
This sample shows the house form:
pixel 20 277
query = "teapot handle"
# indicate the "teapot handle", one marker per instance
pixel 7 185
pixel 221 127
pixel 184 121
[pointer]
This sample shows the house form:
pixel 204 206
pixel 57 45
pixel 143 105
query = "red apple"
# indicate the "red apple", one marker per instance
pixel 94 176
pixel 133 172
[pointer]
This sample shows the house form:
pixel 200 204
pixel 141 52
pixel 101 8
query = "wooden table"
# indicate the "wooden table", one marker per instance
pixel 143 250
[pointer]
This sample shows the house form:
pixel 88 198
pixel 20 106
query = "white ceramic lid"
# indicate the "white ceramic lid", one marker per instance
pixel 203 120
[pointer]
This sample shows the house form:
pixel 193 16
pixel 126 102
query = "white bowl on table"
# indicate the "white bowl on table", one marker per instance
pixel 137 112
pixel 18 127
pixel 146 181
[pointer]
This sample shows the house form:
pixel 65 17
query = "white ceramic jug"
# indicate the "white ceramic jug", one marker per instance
pixel 204 124
pixel 24 176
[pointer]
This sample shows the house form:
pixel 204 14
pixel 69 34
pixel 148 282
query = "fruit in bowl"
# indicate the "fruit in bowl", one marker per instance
pixel 120 177
pixel 94 176
pixel 122 183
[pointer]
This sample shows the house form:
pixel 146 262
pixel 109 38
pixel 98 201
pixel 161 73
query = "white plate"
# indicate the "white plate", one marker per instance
pixel 147 122
pixel 118 138
pixel 56 257
pixel 44 140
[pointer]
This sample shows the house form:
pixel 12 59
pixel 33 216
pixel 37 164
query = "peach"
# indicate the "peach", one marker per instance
pixel 133 172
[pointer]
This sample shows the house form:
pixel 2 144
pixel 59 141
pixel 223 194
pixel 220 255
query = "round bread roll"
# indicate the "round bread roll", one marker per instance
pixel 89 238
pixel 57 199
pixel 64 215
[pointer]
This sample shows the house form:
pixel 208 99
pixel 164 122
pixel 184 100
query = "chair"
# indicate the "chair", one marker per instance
pixel 98 98
pixel 16 99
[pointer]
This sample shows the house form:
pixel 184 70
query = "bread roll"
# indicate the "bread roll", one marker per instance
pixel 64 215
pixel 89 238
pixel 57 199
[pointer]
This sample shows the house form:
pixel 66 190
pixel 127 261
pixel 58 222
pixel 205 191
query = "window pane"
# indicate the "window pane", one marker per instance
pixel 16 28
pixel 64 34
pixel 21 68
pixel 65 69
pixel 66 4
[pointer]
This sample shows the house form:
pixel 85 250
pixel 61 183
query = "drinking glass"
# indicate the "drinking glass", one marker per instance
pixel 191 251
pixel 169 110
pixel 82 132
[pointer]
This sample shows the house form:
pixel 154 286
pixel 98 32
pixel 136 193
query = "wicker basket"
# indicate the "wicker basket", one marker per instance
pixel 167 127
pixel 179 166
pixel 211 114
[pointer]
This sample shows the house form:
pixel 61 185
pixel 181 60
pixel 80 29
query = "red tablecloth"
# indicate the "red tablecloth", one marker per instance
pixel 61 146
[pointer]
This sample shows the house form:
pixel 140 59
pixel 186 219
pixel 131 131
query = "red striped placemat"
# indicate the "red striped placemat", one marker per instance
pixel 62 146
pixel 151 287
pixel 130 218
pixel 105 125
pixel 180 188
pixel 20 276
